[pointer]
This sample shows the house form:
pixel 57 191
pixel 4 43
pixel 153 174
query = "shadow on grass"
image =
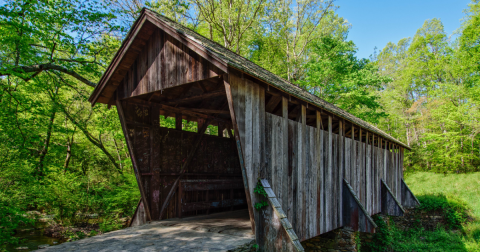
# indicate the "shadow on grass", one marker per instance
pixel 421 230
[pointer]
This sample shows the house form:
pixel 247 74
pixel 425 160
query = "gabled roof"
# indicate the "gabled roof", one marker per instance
pixel 224 58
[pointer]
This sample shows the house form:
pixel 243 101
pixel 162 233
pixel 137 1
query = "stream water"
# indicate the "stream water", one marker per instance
pixel 33 238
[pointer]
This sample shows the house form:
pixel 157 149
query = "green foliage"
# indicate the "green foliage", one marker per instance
pixel 261 191
pixel 389 238
pixel 337 76
pixel 11 218
pixel 456 187
pixel 432 102
pixel 381 240
pixel 454 210
pixel 261 204
pixel 462 232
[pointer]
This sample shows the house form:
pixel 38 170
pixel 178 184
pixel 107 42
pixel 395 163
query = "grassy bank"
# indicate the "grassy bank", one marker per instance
pixel 461 186
pixel 456 197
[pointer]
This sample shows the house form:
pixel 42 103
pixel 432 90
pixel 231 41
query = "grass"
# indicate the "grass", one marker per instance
pixel 463 187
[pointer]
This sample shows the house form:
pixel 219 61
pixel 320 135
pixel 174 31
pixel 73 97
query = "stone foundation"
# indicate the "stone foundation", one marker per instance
pixel 338 240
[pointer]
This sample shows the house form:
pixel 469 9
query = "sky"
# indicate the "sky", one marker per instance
pixel 377 22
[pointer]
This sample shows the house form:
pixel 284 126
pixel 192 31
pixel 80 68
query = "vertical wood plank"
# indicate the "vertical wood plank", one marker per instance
pixel 269 141
pixel 293 138
pixel 335 173
pixel 328 187
pixel 261 130
pixel 325 179
pixel 368 175
pixel 313 183
pixel 320 178
pixel 341 170
pixel 353 155
pixel 274 162
pixel 301 172
pixel 362 169
pixel 306 181
pixel 234 104
pixel 248 134
pixel 284 146
pixel 359 167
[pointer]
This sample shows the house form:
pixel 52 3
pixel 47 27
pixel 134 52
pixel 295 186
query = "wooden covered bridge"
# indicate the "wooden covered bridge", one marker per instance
pixel 321 167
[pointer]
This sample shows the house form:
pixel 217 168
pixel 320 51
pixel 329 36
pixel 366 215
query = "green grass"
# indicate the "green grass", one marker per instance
pixel 463 187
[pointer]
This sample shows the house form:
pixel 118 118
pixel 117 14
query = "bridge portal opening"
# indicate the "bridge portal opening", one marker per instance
pixel 185 157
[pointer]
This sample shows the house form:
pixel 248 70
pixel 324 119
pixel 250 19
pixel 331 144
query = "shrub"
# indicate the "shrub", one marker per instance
pixel 10 218
pixel 455 211
pixel 381 240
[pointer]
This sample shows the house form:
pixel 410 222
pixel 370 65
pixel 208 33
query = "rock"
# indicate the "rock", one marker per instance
pixel 54 243
pixel 33 213
pixel 22 248
pixel 43 246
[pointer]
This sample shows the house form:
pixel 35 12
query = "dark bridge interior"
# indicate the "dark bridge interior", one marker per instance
pixel 212 180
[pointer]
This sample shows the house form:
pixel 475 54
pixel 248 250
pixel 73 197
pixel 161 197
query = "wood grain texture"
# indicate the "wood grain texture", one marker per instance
pixel 390 205
pixel 164 63
pixel 329 177
pixel 232 91
pixel 320 175
pixel 408 199
pixel 354 213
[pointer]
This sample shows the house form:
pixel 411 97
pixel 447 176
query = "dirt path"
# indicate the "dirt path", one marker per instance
pixel 216 232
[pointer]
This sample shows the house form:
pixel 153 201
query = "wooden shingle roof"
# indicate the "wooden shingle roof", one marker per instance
pixel 223 56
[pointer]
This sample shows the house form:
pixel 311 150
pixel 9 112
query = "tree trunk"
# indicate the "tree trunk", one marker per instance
pixel 46 143
pixel 118 153
pixel 69 152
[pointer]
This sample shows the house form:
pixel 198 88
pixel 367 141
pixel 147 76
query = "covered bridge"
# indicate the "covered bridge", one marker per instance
pixel 322 168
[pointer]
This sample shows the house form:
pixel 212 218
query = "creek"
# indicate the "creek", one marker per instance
pixel 32 239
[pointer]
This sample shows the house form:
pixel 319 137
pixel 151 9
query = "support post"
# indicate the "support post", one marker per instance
pixel 228 91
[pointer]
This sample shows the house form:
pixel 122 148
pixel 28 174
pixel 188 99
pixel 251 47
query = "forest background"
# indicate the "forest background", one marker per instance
pixel 58 155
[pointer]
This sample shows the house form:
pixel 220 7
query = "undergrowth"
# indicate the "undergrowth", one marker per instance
pixel 448 237
pixel 456 197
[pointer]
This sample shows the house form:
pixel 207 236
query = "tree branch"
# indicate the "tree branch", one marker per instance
pixel 46 67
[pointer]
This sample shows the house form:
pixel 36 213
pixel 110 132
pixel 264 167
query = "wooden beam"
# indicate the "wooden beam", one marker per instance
pixel 170 109
pixel 354 213
pixel 239 149
pixel 221 128
pixel 272 103
pixel 202 87
pixel 329 178
pixel 390 205
pixel 195 98
pixel 206 111
pixel 130 147
pixel 178 121
pixel 184 166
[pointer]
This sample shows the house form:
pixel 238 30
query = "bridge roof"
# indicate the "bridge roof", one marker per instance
pixel 222 58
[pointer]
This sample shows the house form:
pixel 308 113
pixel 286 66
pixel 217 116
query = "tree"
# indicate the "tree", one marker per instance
pixel 231 19
pixel 334 74
pixel 293 26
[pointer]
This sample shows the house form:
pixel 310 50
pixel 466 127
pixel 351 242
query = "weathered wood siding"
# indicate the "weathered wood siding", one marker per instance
pixel 306 166
pixel 163 63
